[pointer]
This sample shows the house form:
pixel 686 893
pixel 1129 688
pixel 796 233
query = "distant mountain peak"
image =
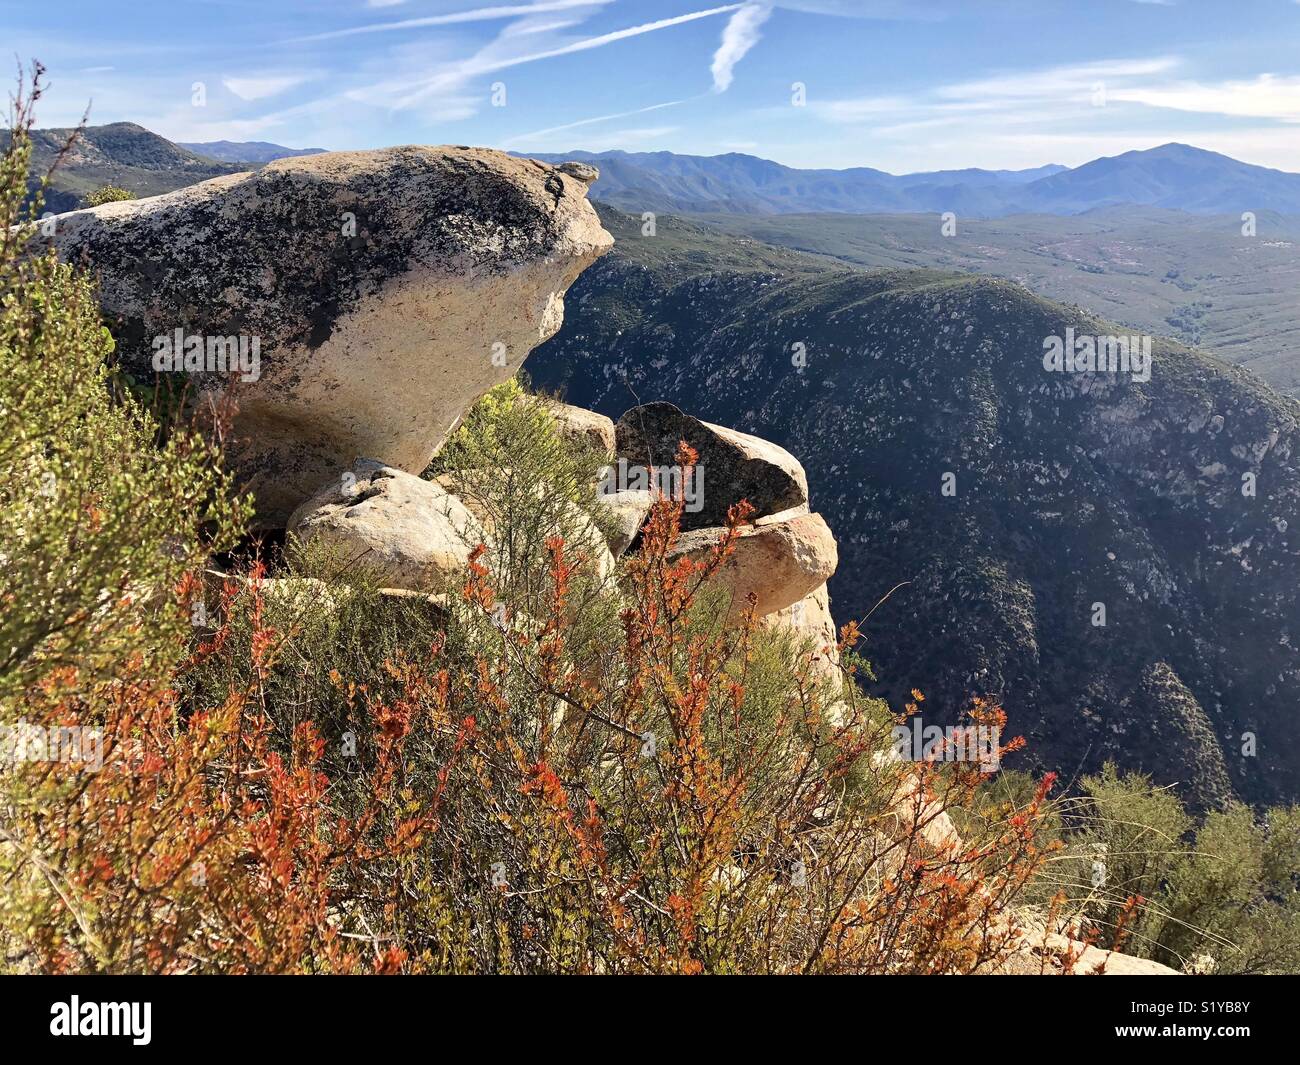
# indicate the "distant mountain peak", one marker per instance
pixel 1174 175
pixel 247 151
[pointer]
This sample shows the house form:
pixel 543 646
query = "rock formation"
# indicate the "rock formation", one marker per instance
pixel 785 554
pixel 405 531
pixel 582 426
pixel 778 560
pixel 384 290
pixel 734 466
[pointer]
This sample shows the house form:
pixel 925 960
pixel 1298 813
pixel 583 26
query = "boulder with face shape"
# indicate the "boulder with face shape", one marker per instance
pixel 384 291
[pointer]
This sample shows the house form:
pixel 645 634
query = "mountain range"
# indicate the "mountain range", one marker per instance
pixel 121 154
pixel 1198 278
pixel 246 151
pixel 1173 175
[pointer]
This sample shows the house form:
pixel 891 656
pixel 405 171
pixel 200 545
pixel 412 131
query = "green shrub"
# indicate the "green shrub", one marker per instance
pixel 99 519
pixel 108 194
pixel 1222 895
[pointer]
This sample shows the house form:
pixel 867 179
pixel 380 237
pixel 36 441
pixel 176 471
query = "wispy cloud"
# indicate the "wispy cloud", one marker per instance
pixel 1036 93
pixel 260 88
pixel 481 14
pixel 539 134
pixel 458 73
pixel 1054 91
pixel 739 35
pixel 1266 96
pixel 1071 113
pixel 1059 82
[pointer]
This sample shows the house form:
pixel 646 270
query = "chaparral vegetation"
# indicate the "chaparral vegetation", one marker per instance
pixel 550 761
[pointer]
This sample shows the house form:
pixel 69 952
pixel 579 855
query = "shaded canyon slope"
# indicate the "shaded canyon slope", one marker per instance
pixel 1072 491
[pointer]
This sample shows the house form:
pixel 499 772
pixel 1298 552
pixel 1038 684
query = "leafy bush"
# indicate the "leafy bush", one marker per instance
pixel 97 518
pixel 108 194
pixel 1134 865
pixel 470 798
pixel 672 794
pixel 100 519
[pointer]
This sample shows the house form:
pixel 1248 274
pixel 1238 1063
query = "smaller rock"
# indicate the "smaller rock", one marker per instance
pixel 407 532
pixel 583 427
pixel 300 594
pixel 732 466
pixel 909 808
pixel 629 511
pixel 584 172
pixel 1047 953
pixel 780 562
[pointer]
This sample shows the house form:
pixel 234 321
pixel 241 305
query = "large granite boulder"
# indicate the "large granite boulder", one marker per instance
pixel 732 465
pixel 382 292
pixel 404 531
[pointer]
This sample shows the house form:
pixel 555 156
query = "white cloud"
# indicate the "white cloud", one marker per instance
pixel 527 26
pixel 1050 114
pixel 1077 79
pixel 918 10
pixel 1050 92
pixel 1267 96
pixel 482 14
pixel 739 35
pixel 458 73
pixel 261 88
pixel 540 134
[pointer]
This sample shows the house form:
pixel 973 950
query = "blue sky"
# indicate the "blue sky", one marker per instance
pixel 901 85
